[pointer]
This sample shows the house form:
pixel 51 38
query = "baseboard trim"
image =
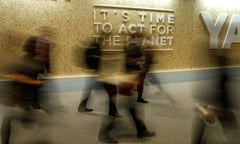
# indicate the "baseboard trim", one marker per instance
pixel 77 82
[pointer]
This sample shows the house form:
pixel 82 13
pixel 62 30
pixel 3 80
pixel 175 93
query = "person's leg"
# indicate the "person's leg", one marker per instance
pixel 12 113
pixel 139 124
pixel 82 107
pixel 137 112
pixel 50 102
pixel 230 126
pixel 154 80
pixel 6 129
pixel 142 131
pixel 106 126
pixel 198 129
pixel 140 87
pixel 112 93
pixel 112 107
pixel 108 121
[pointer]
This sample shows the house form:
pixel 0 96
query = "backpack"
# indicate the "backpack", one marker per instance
pixel 92 56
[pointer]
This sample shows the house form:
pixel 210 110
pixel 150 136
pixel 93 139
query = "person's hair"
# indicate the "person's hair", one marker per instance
pixel 30 46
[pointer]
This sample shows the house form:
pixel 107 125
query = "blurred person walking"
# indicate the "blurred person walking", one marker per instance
pixel 220 108
pixel 93 57
pixel 49 102
pixel 125 83
pixel 137 61
pixel 23 92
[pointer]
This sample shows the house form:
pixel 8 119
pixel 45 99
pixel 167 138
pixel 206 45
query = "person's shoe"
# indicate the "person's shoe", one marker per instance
pixel 117 114
pixel 145 133
pixel 84 109
pixel 107 140
pixel 142 101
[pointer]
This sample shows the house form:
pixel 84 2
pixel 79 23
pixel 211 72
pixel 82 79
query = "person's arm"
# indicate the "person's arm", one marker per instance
pixel 207 113
pixel 25 79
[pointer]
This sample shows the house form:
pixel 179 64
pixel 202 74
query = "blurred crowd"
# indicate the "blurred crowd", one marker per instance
pixel 120 74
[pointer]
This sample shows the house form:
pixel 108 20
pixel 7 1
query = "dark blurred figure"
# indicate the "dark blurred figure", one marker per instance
pixel 139 57
pixel 125 83
pixel 24 88
pixel 109 122
pixel 50 103
pixel 112 93
pixel 89 85
pixel 92 59
pixel 93 56
pixel 220 107
pixel 138 61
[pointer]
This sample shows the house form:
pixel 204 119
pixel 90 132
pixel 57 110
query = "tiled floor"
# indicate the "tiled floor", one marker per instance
pixel 171 122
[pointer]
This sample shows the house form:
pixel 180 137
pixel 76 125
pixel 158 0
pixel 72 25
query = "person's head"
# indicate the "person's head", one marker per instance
pixel 137 35
pixel 30 46
pixel 37 47
pixel 42 50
